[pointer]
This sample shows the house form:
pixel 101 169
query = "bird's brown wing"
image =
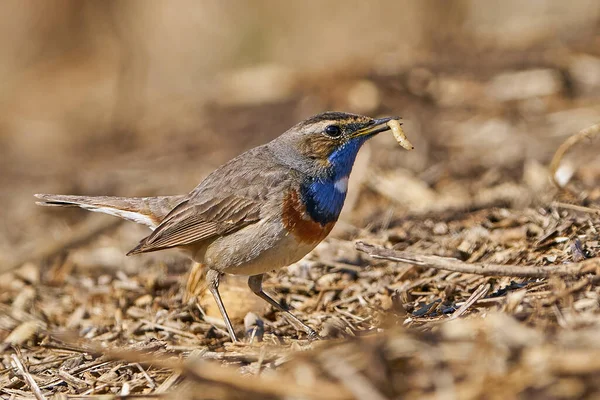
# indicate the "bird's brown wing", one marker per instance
pixel 230 198
pixel 191 222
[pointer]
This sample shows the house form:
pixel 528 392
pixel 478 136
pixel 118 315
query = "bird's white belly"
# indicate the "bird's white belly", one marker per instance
pixel 254 250
pixel 287 252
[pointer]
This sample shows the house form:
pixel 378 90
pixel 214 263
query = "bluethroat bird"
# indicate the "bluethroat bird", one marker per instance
pixel 263 210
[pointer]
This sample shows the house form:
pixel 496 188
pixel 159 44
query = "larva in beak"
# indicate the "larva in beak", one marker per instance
pixel 399 134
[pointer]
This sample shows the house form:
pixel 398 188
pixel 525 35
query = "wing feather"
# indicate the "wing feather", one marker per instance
pixel 230 198
pixel 192 223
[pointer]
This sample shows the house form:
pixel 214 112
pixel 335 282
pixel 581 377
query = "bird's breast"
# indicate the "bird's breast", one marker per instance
pixel 299 222
pixel 324 198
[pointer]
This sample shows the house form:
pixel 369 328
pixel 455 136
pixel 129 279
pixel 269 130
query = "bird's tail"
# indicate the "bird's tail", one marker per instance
pixel 148 211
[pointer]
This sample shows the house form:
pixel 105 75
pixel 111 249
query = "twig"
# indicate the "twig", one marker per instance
pixel 77 383
pixel 148 378
pixel 167 383
pixel 205 371
pixel 168 329
pixel 28 378
pixel 588 133
pixel 485 269
pixel 267 385
pixel 113 396
pixel 93 389
pixel 478 294
pixel 576 207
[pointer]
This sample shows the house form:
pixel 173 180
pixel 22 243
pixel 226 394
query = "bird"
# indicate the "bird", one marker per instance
pixel 263 210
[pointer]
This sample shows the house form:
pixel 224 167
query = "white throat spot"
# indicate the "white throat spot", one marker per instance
pixel 341 184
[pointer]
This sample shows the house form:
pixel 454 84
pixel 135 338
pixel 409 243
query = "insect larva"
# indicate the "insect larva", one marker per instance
pixel 399 134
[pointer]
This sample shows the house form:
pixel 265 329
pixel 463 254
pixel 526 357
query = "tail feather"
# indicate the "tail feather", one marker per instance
pixel 148 211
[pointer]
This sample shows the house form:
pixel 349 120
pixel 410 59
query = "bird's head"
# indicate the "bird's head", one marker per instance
pixel 327 143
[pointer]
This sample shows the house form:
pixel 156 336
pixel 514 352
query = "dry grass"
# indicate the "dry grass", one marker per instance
pixel 389 329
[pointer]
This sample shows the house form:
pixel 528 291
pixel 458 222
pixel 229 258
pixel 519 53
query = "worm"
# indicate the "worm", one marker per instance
pixel 399 134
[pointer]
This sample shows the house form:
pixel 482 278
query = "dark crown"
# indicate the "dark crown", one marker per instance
pixel 332 116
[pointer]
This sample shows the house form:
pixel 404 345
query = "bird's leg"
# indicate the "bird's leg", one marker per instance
pixel 255 284
pixel 212 277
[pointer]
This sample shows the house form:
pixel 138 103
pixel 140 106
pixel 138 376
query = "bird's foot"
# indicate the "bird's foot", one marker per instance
pixel 312 334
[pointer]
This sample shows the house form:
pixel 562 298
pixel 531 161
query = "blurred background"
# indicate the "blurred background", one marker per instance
pixel 147 97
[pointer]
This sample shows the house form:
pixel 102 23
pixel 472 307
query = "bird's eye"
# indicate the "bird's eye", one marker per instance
pixel 333 131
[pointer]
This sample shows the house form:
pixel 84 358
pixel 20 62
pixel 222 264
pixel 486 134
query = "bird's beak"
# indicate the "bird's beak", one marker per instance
pixel 376 126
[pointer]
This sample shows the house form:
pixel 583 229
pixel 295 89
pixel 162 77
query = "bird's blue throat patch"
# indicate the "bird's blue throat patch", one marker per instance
pixel 323 200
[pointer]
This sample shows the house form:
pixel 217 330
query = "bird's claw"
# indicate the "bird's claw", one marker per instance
pixel 312 335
